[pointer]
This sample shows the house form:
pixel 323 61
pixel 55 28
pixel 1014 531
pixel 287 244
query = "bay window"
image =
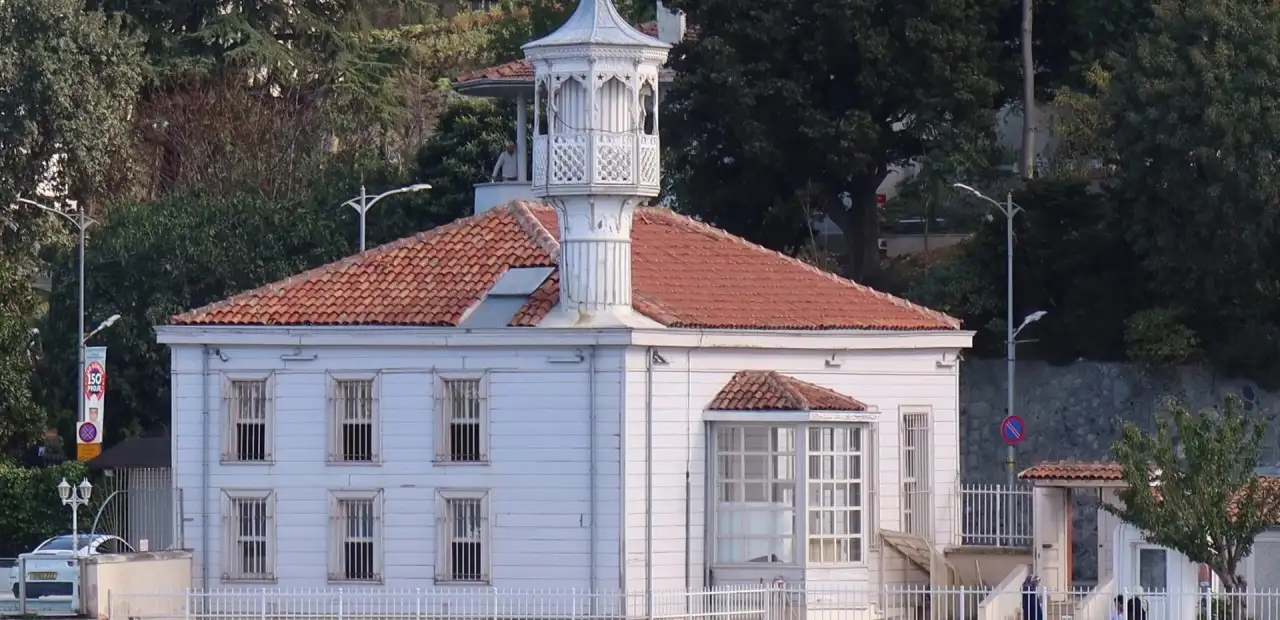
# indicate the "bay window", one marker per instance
pixel 790 492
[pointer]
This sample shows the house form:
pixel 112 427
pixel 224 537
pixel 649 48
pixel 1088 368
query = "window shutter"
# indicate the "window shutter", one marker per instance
pixel 378 549
pixel 334 422
pixel 228 423
pixel 443 550
pixel 440 419
pixel 335 538
pixel 269 450
pixel 375 425
pixel 485 537
pixel 270 501
pixel 873 481
pixel 482 398
pixel 228 538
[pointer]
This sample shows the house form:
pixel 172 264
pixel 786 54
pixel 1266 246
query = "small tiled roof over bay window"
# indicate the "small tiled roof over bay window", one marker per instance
pixel 767 390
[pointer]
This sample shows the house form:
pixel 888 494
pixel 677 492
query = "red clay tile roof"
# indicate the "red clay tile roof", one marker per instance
pixel 766 390
pixel 521 70
pixel 1083 471
pixel 684 274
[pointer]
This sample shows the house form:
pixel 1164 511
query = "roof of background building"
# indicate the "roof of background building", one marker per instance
pixel 684 274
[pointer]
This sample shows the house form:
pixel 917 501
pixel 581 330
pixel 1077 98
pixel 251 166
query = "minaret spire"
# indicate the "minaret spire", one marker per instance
pixel 596 154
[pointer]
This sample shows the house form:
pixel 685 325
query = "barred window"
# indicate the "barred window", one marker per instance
pixel 249 536
pixel 354 421
pixel 463 421
pixel 248 428
pixel 464 532
pixel 356 536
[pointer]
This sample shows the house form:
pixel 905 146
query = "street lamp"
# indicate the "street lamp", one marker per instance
pixel 111 320
pixel 364 202
pixel 1009 210
pixel 82 223
pixel 75 497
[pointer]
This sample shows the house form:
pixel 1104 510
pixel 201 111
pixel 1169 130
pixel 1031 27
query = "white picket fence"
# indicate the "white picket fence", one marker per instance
pixel 995 515
pixel 792 601
pixel 745 602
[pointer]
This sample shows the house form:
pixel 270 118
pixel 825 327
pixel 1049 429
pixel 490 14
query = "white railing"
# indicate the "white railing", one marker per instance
pixel 995 515
pixel 792 601
pixel 743 602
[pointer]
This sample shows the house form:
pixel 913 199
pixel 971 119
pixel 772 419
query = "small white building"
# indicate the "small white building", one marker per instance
pixel 1168 583
pixel 581 392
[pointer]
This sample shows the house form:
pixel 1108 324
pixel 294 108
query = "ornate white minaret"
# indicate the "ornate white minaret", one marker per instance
pixel 595 154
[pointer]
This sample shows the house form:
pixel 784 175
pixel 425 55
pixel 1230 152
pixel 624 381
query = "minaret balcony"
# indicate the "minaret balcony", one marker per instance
pixel 586 162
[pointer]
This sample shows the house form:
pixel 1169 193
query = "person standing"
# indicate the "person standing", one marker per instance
pixel 506 169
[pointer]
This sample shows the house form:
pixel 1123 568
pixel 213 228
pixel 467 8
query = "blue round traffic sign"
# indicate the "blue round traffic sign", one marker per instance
pixel 88 432
pixel 1013 430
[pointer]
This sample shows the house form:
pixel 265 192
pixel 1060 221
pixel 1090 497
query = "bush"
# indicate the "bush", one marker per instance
pixel 32 511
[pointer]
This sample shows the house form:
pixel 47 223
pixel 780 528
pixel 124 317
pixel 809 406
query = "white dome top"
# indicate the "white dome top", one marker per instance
pixel 596 22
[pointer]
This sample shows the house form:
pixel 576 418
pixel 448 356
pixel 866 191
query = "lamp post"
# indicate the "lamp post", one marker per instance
pixel 364 202
pixel 82 223
pixel 1009 210
pixel 75 497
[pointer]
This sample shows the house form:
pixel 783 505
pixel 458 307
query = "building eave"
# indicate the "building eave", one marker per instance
pixel 834 341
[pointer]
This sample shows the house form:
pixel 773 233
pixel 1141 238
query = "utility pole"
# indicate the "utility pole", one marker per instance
pixel 1028 96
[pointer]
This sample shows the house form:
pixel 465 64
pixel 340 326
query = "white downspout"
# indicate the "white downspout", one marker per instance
pixel 648 481
pixel 204 469
pixel 592 469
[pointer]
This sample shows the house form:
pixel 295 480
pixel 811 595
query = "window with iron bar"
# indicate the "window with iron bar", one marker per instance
pixel 915 471
pixel 355 535
pixel 462 427
pixel 249 535
pixel 248 426
pixel 463 528
pixel 354 421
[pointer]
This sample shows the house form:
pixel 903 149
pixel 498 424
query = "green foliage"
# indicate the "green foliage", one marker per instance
pixel 1159 337
pixel 470 135
pixel 1192 485
pixel 1195 121
pixel 153 260
pixel 22 420
pixel 1070 37
pixel 774 122
pixel 929 193
pixel 1070 260
pixel 526 20
pixel 32 511
pixel 67 80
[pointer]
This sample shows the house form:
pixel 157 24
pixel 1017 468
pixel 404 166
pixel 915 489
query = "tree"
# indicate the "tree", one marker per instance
pixel 151 260
pixel 67 83
pixel 1195 122
pixel 1071 258
pixel 471 134
pixel 1192 486
pixel 67 80
pixel 788 100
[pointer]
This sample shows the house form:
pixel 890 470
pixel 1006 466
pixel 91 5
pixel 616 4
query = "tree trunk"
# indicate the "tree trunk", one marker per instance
pixel 860 226
pixel 1028 96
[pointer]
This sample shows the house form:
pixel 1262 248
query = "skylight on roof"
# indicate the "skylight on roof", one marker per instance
pixel 507 296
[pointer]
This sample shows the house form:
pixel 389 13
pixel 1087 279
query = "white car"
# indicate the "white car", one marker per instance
pixel 51 566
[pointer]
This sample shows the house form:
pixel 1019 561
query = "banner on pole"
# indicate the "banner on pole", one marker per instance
pixel 89 430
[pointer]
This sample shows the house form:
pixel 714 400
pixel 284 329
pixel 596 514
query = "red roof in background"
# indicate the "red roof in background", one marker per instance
pixel 684 274
pixel 766 390
pixel 1083 471
pixel 522 70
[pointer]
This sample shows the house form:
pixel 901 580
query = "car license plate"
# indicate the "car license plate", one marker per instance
pixel 43 576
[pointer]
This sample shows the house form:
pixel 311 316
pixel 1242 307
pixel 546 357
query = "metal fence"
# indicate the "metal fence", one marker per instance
pixel 748 602
pixel 792 601
pixel 139 506
pixel 995 515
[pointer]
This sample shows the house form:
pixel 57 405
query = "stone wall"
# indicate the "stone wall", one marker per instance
pixel 1074 412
